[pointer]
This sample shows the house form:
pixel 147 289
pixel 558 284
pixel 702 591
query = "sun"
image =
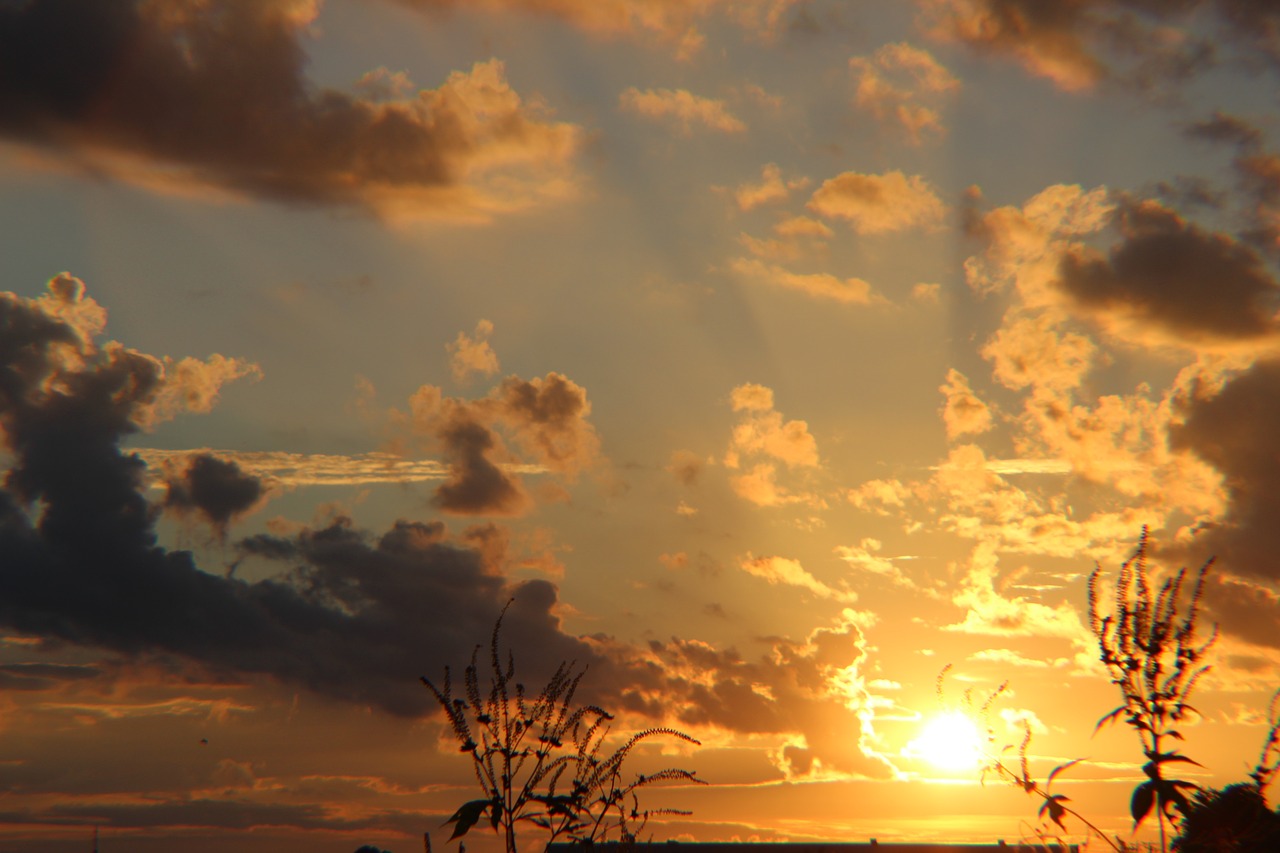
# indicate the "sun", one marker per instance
pixel 952 741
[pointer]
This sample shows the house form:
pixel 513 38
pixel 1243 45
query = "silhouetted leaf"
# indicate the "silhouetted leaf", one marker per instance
pixel 1108 718
pixel 1053 805
pixel 1143 799
pixel 1055 771
pixel 467 815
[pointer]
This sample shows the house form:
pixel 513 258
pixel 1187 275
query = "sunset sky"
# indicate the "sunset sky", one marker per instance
pixel 771 355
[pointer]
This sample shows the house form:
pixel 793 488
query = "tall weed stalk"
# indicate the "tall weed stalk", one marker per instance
pixel 1150 644
pixel 540 759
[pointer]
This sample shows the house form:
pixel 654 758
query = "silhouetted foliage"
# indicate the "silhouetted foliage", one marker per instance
pixel 1053 807
pixel 1150 645
pixel 540 759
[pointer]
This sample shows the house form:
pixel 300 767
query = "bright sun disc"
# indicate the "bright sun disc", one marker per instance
pixel 950 741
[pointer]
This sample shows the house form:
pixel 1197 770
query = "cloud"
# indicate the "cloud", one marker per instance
pixel 1031 351
pixel 291 470
pixel 801 226
pixel 866 557
pixel 346 613
pixel 811 691
pixel 1023 247
pixel 772 188
pixel 898 82
pixel 673 23
pixel 685 466
pixel 1168 281
pixel 963 412
pixel 759 441
pixel 761 431
pixel 469 355
pixel 988 611
pixel 213 489
pixel 848 291
pixel 789 572
pixel 545 418
pixel 1081 44
pixel 1231 429
pixel 185 97
pixel 681 107
pixel 878 204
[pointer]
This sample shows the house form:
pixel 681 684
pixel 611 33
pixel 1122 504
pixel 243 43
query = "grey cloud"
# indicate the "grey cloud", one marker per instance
pixel 217 90
pixel 42 676
pixel 1080 44
pixel 1235 431
pixel 1167 273
pixel 214 489
pixel 351 615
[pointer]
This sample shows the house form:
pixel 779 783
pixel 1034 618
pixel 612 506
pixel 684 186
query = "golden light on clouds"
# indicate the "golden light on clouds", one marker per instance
pixel 679 329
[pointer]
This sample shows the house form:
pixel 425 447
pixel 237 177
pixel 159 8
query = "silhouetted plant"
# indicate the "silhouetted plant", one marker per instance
pixel 540 759
pixel 1150 647
pixel 1053 807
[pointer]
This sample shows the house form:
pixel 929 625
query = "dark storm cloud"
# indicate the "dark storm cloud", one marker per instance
pixel 1169 276
pixel 1235 431
pixel 216 90
pixel 213 489
pixel 360 619
pixel 350 615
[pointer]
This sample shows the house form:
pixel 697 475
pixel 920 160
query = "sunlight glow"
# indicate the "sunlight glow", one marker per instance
pixel 950 741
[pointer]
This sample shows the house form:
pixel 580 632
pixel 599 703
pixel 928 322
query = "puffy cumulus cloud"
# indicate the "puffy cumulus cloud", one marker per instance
pixel 674 23
pixel 1023 246
pixel 82 564
pixel 1231 428
pixel 802 226
pixel 763 432
pixel 1031 351
pixel 848 291
pixel 772 188
pixel 878 204
pixel 215 490
pixel 963 412
pixel 760 440
pixel 810 692
pixel 1168 281
pixel 788 572
pixel 546 419
pixel 184 97
pixel 901 83
pixel 682 107
pixel 1082 43
pixel 468 355
pixel 50 356
pixel 989 611
pixel 351 614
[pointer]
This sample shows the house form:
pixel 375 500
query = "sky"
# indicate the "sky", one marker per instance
pixel 768 357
